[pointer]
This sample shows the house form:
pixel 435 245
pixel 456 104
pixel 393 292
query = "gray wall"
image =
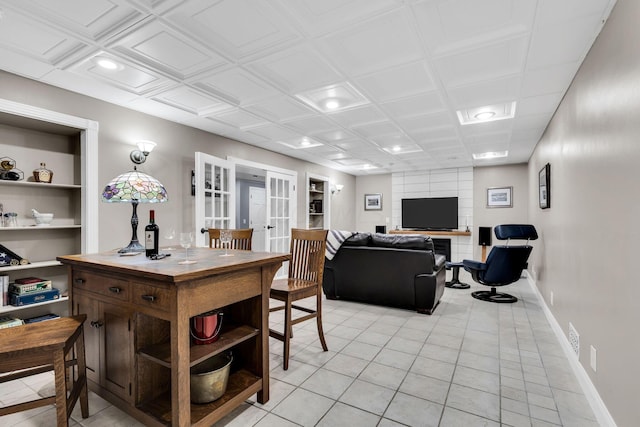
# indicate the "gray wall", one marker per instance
pixel 588 249
pixel 171 162
pixel 515 176
pixel 372 184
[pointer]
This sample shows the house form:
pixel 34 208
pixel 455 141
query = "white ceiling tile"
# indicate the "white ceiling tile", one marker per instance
pixel 398 82
pixel 434 134
pixel 189 99
pixel 358 116
pixel 376 129
pixel 317 17
pixel 333 135
pixel 237 28
pixel 156 44
pixel 95 19
pixel 551 79
pixel 426 121
pixel 484 62
pixel 237 86
pixel 553 12
pixel 460 24
pixel 24 35
pixel 415 105
pixel 370 47
pixel 539 104
pixel 274 132
pixel 238 118
pixel 488 92
pixel 531 121
pixel 563 42
pixel 297 69
pixel 280 108
pixel 311 125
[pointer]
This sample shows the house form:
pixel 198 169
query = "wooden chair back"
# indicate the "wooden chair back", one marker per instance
pixel 307 254
pixel 240 238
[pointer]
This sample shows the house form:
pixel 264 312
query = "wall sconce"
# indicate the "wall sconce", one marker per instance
pixel 337 188
pixel 140 155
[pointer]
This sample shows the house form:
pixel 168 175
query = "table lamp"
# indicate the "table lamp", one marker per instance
pixel 134 187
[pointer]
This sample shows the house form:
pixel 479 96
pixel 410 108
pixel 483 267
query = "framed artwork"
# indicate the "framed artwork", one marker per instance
pixel 500 197
pixel 544 187
pixel 373 202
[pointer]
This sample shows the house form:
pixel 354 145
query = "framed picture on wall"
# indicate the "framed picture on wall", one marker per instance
pixel 544 187
pixel 500 197
pixel 373 202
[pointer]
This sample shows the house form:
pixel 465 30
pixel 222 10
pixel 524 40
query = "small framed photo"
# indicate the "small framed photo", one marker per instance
pixel 373 202
pixel 544 185
pixel 500 197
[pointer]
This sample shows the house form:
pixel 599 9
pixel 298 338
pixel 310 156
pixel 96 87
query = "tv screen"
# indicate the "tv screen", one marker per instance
pixel 430 213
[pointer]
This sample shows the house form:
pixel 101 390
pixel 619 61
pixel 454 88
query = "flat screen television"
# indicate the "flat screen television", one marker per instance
pixel 430 213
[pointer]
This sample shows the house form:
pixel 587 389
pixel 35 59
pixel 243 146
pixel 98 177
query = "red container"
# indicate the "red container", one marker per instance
pixel 205 327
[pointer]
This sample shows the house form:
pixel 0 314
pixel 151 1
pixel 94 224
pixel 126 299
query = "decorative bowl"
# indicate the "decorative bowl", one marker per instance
pixel 42 219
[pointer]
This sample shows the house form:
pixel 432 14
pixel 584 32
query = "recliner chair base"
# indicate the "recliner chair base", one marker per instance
pixel 493 296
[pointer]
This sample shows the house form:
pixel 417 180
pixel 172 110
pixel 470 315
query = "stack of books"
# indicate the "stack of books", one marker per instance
pixel 8 322
pixel 30 290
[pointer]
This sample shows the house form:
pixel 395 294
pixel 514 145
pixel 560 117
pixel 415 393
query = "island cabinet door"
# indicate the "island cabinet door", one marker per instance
pixel 108 344
pixel 117 339
pixel 90 307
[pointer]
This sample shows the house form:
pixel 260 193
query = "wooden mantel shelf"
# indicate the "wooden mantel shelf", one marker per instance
pixel 432 233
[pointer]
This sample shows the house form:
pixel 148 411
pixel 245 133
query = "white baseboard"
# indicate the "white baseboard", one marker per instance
pixel 601 412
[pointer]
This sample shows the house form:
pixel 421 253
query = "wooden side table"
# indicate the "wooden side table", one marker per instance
pixel 44 346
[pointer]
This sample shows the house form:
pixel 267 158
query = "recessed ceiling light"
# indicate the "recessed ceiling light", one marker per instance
pixel 396 148
pixel 107 63
pixel 332 104
pixel 485 115
pixel 490 155
pixel 333 98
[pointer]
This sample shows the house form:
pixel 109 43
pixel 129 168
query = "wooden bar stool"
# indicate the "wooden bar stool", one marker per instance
pixel 44 346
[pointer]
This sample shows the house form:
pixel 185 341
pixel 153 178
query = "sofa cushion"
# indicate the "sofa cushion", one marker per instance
pixel 358 239
pixel 402 241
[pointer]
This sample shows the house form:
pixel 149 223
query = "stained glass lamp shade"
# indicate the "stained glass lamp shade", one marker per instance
pixel 134 187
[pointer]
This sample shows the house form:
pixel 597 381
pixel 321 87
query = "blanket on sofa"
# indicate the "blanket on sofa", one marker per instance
pixel 335 238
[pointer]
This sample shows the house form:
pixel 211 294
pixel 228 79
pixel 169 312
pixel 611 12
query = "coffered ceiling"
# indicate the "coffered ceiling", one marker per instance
pixel 362 86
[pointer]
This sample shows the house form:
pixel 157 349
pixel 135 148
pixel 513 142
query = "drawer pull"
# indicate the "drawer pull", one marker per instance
pixel 150 298
pixel 96 324
pixel 79 281
pixel 115 289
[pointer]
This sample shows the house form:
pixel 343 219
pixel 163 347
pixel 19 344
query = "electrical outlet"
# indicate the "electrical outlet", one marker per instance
pixel 574 339
pixel 593 358
pixel 551 297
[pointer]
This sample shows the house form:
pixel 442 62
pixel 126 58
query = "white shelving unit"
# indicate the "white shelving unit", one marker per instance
pixel 68 145
pixel 318 202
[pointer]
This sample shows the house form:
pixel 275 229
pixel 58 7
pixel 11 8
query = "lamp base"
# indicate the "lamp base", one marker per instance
pixel 134 246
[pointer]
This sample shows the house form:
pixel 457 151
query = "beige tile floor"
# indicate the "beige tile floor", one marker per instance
pixel 471 363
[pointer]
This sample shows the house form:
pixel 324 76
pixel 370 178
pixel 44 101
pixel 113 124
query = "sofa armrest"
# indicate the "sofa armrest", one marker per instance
pixel 440 261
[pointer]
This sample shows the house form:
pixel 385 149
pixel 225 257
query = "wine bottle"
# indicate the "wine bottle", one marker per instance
pixel 151 235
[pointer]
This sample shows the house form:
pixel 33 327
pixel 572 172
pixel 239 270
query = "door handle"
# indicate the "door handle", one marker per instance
pixel 204 230
pixel 269 227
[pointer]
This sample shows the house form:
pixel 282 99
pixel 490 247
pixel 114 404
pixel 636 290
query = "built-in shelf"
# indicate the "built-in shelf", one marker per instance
pixel 41 227
pixel 39 264
pixel 13 308
pixel 39 184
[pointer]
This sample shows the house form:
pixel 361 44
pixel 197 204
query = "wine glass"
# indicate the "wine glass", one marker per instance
pixel 225 239
pixel 170 234
pixel 185 242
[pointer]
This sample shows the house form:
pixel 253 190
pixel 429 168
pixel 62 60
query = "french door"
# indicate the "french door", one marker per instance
pixel 215 195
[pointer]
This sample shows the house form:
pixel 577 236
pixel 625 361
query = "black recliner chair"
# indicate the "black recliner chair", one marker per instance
pixel 504 264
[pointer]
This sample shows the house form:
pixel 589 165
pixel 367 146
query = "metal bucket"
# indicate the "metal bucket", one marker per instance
pixel 209 378
pixel 205 327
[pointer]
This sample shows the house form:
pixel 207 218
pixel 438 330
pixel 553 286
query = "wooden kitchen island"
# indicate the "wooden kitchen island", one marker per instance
pixel 138 345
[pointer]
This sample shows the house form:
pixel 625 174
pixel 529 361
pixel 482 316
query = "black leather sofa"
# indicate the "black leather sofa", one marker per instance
pixel 387 269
